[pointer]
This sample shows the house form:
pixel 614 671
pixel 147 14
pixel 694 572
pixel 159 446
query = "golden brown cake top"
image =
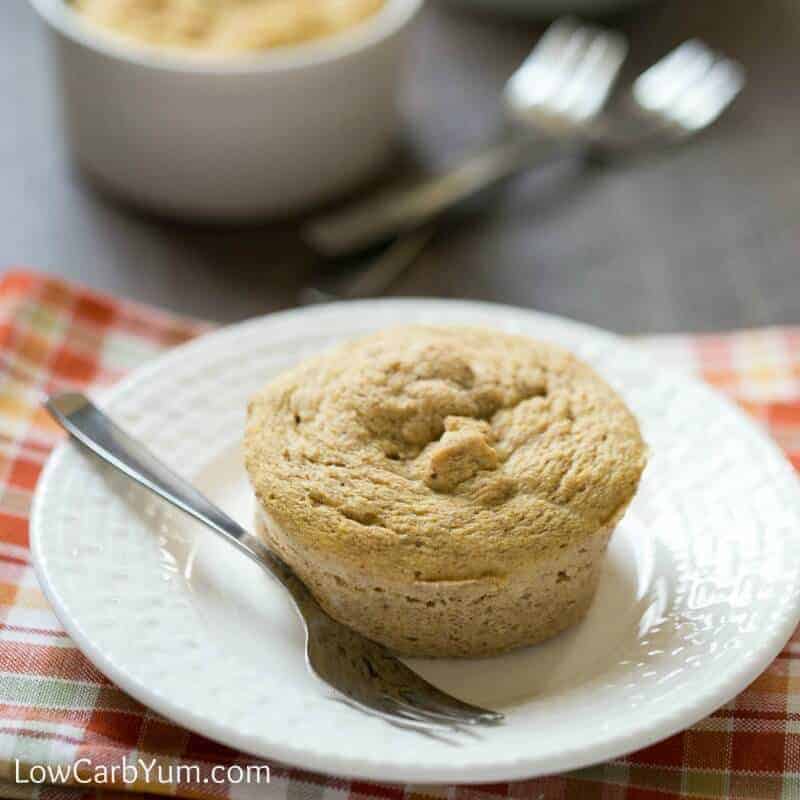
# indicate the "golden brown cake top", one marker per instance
pixel 226 26
pixel 436 453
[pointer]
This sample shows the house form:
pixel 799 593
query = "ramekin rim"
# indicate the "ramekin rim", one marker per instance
pixel 392 17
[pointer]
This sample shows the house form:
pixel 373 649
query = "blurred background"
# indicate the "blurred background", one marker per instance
pixel 705 237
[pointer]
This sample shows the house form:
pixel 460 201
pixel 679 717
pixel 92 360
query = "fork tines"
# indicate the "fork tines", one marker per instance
pixel 691 86
pixel 569 73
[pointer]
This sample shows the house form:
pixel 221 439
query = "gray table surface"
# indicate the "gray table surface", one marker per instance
pixel 703 238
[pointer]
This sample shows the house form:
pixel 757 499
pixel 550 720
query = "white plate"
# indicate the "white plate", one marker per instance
pixel 699 593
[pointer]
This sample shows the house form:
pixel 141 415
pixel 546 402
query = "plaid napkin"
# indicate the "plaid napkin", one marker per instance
pixel 56 709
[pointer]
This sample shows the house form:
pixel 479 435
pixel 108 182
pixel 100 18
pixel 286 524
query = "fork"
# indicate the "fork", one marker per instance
pixel 674 99
pixel 365 673
pixel 578 62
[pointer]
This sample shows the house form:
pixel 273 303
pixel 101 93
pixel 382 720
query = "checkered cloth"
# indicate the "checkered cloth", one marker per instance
pixel 56 708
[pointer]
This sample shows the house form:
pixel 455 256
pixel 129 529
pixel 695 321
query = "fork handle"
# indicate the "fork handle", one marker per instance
pixel 89 426
pixel 400 210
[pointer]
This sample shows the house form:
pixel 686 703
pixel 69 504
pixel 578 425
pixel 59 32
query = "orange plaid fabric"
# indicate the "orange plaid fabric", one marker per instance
pixel 56 708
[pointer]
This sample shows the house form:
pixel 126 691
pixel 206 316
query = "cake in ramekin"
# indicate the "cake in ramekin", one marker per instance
pixel 445 491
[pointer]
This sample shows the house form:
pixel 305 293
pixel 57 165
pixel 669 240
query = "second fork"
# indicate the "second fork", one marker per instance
pixel 567 77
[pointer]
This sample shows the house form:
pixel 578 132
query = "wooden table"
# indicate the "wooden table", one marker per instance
pixel 702 238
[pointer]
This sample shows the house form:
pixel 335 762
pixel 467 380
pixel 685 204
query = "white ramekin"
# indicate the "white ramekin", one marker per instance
pixel 204 137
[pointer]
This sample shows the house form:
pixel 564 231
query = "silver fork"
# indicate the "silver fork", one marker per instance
pixel 364 672
pixel 570 72
pixel 676 98
pixel 574 64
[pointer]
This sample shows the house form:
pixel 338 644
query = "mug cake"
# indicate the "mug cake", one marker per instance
pixel 444 491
